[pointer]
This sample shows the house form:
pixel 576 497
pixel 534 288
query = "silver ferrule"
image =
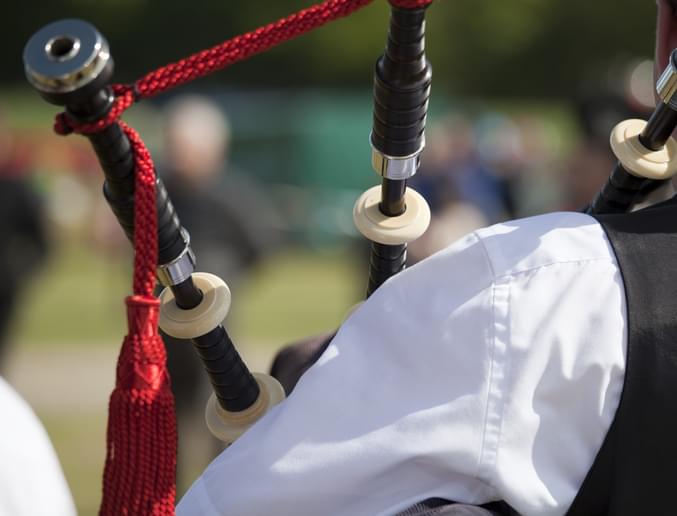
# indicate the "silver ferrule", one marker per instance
pixel 64 56
pixel 666 86
pixel 396 167
pixel 180 269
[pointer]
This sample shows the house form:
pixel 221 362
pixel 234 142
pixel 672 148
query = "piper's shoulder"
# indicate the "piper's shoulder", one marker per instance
pixel 521 245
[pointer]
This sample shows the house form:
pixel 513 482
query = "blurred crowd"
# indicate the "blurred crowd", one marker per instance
pixel 22 227
pixel 483 163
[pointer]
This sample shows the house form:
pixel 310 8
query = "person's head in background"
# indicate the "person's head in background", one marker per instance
pixel 197 138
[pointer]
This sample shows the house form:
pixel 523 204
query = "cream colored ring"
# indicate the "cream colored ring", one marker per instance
pixel 212 310
pixel 228 426
pixel 637 159
pixel 391 230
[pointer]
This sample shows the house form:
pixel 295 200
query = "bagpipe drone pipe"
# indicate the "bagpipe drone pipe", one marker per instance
pixel 646 151
pixel 69 63
pixel 194 304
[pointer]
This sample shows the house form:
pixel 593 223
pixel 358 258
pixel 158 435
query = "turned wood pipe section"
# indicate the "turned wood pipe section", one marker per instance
pixel 69 63
pixel 646 151
pixel 393 215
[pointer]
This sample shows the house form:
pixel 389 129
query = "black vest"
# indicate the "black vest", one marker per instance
pixel 635 470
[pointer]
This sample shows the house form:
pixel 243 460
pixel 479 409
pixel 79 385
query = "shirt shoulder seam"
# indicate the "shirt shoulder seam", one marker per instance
pixel 580 261
pixel 484 470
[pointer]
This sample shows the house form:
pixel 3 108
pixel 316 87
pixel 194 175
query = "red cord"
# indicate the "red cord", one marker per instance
pixel 124 98
pixel 145 216
pixel 140 470
pixel 244 46
pixel 224 54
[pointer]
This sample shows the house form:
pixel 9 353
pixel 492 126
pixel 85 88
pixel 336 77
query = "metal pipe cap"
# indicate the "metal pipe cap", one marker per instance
pixel 179 269
pixel 395 167
pixel 666 86
pixel 64 56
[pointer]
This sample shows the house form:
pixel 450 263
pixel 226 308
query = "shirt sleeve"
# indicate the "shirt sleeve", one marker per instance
pixel 31 480
pixel 393 412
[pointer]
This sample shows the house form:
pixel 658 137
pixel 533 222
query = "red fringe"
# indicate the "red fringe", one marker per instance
pixel 140 471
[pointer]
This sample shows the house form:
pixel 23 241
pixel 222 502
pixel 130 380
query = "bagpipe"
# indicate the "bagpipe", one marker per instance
pixel 69 63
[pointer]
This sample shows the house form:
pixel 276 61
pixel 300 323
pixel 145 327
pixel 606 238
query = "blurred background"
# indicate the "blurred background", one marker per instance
pixel 264 161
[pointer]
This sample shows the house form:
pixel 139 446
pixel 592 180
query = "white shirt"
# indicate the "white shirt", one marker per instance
pixel 490 371
pixel 31 480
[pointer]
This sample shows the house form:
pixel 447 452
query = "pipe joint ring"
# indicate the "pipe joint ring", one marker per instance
pixel 636 158
pixel 228 426
pixel 395 167
pixel 666 86
pixel 194 322
pixel 377 227
pixel 180 269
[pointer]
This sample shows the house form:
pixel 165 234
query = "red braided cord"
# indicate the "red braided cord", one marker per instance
pixel 244 46
pixel 145 216
pixel 124 98
pixel 140 470
pixel 224 54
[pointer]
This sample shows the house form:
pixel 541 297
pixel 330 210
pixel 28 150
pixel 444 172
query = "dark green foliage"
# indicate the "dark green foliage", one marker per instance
pixel 478 47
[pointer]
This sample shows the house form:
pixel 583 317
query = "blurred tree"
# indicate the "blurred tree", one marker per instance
pixel 478 47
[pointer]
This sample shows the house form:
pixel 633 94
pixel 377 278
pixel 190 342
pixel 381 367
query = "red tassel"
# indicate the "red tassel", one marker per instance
pixel 140 472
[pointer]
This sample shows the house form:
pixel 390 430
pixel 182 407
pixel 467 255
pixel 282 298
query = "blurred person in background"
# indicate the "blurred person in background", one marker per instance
pixel 450 153
pixel 500 154
pixel 461 163
pixel 228 216
pixel 31 480
pixel 229 220
pixel 23 229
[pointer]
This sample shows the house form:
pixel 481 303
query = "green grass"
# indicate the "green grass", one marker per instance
pixel 294 295
pixel 79 440
pixel 78 299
